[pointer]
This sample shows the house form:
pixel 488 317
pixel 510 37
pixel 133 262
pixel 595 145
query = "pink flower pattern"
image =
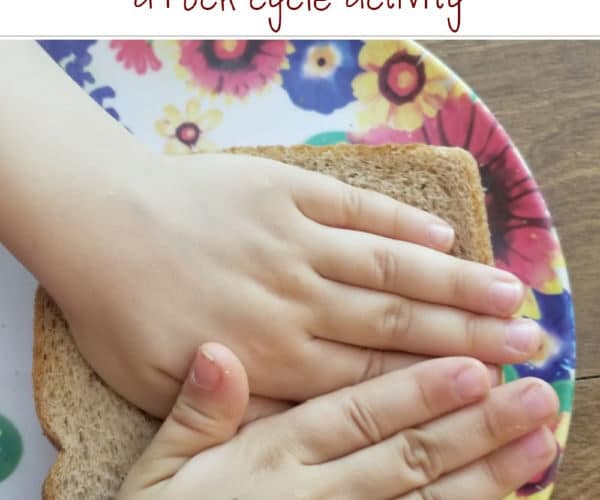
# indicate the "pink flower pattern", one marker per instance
pixel 519 221
pixel 136 54
pixel 233 67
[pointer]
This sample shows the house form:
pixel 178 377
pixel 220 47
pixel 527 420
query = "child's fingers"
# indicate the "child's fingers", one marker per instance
pixel 368 318
pixel 416 457
pixel 357 417
pixel 208 411
pixel 413 271
pixel 324 366
pixel 497 475
pixel 333 203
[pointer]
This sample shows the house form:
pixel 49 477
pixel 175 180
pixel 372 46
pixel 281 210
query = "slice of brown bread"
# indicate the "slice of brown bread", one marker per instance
pixel 99 435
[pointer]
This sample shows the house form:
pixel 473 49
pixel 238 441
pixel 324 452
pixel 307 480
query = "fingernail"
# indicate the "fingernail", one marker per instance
pixel 205 374
pixel 538 401
pixel 440 235
pixel 524 335
pixel 505 296
pixel 472 383
pixel 539 444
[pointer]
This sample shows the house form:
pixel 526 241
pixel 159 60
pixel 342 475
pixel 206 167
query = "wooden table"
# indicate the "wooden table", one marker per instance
pixel 547 96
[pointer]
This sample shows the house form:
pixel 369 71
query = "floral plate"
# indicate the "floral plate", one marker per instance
pixel 186 96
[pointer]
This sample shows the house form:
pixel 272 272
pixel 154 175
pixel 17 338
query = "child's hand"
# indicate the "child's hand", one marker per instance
pixel 407 435
pixel 315 284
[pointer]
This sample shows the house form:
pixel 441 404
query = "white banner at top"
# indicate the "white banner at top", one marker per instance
pixel 299 18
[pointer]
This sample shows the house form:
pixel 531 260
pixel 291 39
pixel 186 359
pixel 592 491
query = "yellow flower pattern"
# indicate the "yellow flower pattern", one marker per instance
pixel 186 131
pixel 401 85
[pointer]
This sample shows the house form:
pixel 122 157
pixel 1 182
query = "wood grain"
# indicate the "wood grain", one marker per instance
pixel 579 476
pixel 547 96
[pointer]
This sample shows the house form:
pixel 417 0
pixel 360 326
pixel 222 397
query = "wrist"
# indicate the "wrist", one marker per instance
pixel 60 154
pixel 57 219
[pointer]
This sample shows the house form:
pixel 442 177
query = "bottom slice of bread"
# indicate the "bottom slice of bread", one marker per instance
pixel 99 435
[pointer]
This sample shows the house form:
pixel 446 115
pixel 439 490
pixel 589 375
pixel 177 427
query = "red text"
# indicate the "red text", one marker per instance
pixel 455 5
pixel 280 5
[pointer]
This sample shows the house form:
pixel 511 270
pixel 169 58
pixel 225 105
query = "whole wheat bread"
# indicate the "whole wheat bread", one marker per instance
pixel 100 435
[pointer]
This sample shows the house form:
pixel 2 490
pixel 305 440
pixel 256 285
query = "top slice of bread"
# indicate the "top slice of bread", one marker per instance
pixel 100 435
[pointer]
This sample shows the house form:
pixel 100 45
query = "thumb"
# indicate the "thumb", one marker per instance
pixel 207 412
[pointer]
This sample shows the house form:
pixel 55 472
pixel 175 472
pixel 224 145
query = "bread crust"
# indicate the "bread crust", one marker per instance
pixel 41 297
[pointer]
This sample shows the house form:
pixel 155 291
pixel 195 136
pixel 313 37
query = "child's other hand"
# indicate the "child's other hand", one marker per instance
pixel 433 430
pixel 316 285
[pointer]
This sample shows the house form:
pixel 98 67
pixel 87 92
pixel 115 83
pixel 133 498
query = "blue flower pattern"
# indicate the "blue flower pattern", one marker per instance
pixel 321 73
pixel 74 55
pixel 557 320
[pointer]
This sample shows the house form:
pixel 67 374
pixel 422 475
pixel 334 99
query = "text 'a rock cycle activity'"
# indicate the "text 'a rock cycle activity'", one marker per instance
pixel 277 10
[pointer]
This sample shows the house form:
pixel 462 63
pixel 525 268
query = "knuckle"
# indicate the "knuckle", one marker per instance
pixel 395 323
pixel 491 427
pixel 419 453
pixel 295 282
pixel 373 365
pixel 473 328
pixel 187 416
pixel 399 220
pixel 351 203
pixel 493 473
pixel 427 493
pixel 385 268
pixel 458 279
pixel 426 400
pixel 362 419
